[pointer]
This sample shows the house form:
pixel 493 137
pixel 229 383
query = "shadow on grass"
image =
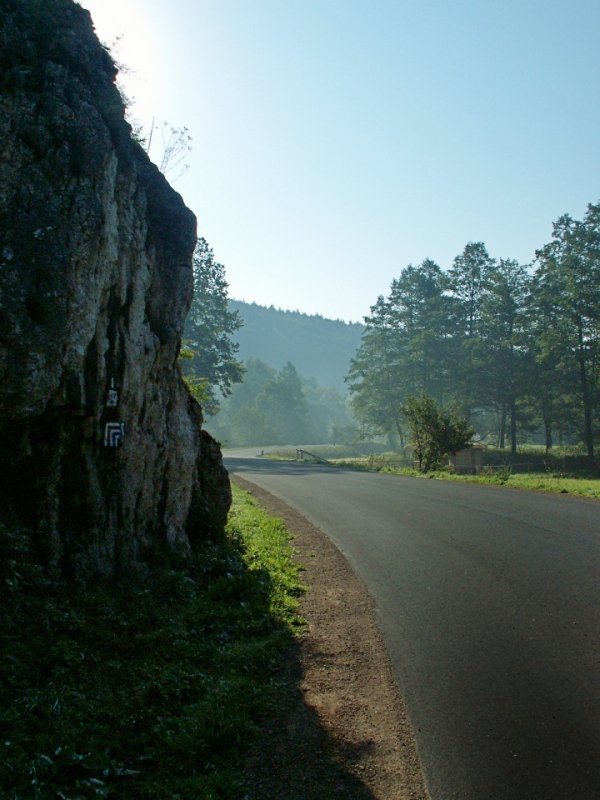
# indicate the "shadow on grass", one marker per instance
pixel 184 685
pixel 292 756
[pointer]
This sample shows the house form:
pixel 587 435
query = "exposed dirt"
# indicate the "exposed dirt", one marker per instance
pixel 340 729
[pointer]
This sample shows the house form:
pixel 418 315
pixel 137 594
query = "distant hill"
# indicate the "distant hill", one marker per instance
pixel 319 348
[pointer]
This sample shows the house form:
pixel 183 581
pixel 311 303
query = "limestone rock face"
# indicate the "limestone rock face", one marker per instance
pixel 102 454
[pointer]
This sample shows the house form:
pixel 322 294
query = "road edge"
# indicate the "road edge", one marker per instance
pixel 347 677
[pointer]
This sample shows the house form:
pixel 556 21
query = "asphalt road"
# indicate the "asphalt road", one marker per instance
pixel 489 603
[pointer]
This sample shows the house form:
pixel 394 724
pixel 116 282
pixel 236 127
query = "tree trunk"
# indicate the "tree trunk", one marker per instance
pixel 548 434
pixel 502 431
pixel 400 431
pixel 513 428
pixel 585 393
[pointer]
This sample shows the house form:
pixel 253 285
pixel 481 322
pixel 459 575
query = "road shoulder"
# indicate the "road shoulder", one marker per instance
pixel 347 712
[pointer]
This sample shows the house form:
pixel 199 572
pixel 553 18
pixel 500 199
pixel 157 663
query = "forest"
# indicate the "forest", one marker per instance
pixel 281 406
pixel 512 348
pixel 264 375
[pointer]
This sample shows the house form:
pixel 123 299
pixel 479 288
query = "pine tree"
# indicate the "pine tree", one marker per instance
pixel 211 363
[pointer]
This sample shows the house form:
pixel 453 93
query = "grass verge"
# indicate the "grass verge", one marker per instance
pixel 533 482
pixel 554 482
pixel 149 690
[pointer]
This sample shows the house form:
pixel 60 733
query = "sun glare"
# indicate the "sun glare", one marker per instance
pixel 123 26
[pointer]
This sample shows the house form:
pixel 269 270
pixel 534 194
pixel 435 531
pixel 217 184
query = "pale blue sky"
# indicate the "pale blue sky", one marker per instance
pixel 334 142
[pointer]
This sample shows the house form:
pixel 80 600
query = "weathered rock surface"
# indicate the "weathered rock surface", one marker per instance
pixel 95 283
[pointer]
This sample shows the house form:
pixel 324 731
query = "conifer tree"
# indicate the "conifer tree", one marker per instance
pixel 211 363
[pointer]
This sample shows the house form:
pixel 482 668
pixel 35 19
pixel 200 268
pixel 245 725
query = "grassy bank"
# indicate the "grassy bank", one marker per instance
pixel 147 690
pixel 535 470
pixel 503 476
pixel 533 482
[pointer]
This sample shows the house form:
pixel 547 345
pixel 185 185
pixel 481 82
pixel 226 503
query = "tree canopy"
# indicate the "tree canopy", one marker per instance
pixel 210 362
pixel 514 347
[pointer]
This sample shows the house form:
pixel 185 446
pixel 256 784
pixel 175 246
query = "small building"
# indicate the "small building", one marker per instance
pixel 468 461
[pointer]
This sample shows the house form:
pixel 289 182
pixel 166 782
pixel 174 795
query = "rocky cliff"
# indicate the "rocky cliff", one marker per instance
pixel 102 455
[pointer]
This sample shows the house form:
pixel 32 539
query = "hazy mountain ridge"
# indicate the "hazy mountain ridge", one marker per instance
pixel 318 347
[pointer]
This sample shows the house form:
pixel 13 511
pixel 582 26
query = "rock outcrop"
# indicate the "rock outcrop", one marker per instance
pixel 102 454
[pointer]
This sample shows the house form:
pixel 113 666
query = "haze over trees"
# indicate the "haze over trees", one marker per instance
pixel 289 389
pixel 266 399
pixel 515 350
pixel 319 348
pixel 275 406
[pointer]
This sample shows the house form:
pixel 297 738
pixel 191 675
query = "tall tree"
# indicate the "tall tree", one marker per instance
pixel 468 276
pixel 569 273
pixel 404 350
pixel 375 375
pixel 503 336
pixel 420 312
pixel 212 364
pixel 554 372
pixel 284 402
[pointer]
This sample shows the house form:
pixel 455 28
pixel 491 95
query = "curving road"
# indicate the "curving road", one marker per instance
pixel 489 602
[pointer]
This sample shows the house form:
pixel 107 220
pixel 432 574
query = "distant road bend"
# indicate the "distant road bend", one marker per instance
pixel 489 603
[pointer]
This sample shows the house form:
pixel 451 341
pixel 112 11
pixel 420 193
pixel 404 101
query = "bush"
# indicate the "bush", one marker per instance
pixel 436 433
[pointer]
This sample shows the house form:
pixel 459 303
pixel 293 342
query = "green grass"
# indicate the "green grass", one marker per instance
pixel 377 462
pixel 534 482
pixel 150 690
pixel 584 487
pixel 552 479
pixel 564 470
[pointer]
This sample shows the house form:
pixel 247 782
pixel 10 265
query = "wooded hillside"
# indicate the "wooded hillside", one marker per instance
pixel 319 348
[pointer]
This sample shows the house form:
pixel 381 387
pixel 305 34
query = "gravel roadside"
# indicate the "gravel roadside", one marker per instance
pixel 340 729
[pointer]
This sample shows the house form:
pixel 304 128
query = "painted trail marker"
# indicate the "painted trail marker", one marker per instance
pixel 114 433
pixel 112 401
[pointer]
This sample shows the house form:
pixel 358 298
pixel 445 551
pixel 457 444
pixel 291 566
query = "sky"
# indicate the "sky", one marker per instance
pixel 334 142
